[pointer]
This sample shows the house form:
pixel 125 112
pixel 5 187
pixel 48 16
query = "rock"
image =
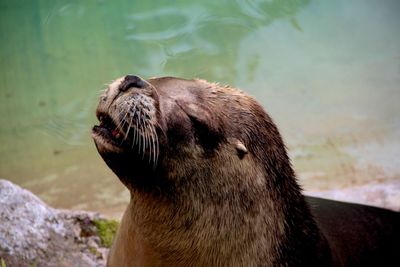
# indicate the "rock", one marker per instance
pixel 383 194
pixel 34 234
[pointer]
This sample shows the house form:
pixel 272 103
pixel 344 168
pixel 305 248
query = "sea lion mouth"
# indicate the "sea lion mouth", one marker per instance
pixel 108 133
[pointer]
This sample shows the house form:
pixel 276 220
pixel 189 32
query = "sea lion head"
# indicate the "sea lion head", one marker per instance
pixel 163 132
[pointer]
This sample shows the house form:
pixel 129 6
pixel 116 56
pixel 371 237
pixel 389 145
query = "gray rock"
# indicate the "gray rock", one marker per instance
pixel 33 234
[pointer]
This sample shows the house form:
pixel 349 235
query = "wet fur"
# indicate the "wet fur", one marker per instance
pixel 204 204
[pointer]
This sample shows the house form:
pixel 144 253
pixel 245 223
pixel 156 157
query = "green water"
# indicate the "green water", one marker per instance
pixel 327 71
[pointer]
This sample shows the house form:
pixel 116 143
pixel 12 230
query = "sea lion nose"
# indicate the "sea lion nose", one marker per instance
pixel 132 81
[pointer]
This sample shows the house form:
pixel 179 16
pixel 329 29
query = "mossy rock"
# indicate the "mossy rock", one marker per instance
pixel 106 230
pixel 3 263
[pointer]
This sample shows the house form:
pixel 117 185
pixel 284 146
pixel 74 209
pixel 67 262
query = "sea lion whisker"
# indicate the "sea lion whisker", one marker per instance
pixel 132 126
pixel 151 143
pixel 129 128
pixel 143 124
pixel 148 141
pixel 156 148
pixel 146 138
pixel 146 134
pixel 121 124
pixel 153 139
pixel 134 135
pixel 139 130
pixel 143 131
pixel 159 127
pixel 131 118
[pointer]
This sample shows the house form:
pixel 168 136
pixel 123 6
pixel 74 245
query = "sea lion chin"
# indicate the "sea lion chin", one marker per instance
pixel 211 184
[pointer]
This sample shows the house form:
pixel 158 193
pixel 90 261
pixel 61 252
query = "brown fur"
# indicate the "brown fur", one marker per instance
pixel 221 192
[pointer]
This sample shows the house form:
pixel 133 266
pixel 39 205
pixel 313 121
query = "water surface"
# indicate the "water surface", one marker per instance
pixel 327 71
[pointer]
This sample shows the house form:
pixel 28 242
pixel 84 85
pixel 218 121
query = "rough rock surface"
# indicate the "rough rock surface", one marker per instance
pixel 33 234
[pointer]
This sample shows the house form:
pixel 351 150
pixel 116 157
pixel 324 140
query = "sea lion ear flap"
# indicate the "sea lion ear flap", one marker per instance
pixel 205 124
pixel 241 149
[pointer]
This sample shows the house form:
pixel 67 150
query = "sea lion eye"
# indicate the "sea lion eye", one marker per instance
pixel 206 129
pixel 206 135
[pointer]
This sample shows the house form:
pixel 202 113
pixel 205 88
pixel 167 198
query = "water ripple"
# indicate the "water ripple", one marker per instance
pixel 191 19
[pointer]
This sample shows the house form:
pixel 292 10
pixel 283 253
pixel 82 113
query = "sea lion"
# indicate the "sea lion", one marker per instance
pixel 212 185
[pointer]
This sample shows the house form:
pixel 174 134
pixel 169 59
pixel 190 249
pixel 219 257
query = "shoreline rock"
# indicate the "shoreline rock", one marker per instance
pixel 34 234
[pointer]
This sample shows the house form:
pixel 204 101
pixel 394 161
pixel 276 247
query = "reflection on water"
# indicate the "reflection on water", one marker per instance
pixel 327 71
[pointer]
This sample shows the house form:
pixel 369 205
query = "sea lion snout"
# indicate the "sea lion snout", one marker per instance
pixel 132 81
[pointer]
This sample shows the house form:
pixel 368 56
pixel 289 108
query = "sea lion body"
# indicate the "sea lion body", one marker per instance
pixel 358 235
pixel 211 184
